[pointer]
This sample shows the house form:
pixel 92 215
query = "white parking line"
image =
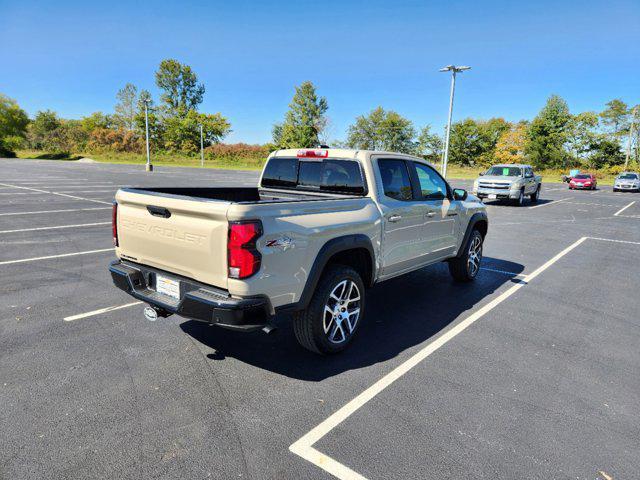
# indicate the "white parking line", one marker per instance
pixel 623 209
pixel 304 446
pixel 55 211
pixel 33 259
pixel 99 311
pixel 629 242
pixel 57 227
pixel 113 190
pixel 549 203
pixel 55 193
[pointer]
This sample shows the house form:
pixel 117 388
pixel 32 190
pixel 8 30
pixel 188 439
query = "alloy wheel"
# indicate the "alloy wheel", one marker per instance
pixel 474 255
pixel 341 312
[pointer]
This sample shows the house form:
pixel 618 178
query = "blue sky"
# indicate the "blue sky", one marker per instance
pixel 72 56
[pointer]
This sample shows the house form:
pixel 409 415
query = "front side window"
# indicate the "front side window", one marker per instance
pixel 432 186
pixel 395 179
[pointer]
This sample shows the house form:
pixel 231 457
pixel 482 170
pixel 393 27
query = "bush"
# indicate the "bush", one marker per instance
pixel 105 139
pixel 238 152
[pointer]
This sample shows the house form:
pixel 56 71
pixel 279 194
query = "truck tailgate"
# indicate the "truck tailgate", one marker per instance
pixel 176 234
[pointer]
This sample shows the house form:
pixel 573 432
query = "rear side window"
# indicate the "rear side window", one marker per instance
pixel 329 175
pixel 395 179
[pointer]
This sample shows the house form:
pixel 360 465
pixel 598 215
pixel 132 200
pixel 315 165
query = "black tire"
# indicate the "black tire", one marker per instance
pixel 518 202
pixel 309 324
pixel 459 267
pixel 615 189
pixel 536 195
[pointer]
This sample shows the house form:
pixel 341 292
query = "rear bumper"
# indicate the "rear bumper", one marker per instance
pixel 197 301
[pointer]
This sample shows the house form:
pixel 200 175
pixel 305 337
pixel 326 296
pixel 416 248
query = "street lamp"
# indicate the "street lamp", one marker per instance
pixel 201 147
pixel 149 167
pixel 453 69
pixel 633 117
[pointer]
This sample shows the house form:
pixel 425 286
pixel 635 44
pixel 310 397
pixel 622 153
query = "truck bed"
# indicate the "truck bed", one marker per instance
pixel 245 195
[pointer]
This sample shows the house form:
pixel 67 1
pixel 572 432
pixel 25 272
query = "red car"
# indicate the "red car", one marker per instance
pixel 583 181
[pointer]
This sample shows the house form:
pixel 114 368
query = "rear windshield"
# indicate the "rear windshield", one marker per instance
pixel 582 177
pixel 505 171
pixel 328 175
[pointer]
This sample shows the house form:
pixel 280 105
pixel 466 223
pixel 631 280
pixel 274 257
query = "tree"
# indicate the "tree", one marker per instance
pixel 181 90
pixel 382 130
pixel 13 126
pixel 184 133
pixel 304 121
pixel 490 131
pixel 581 134
pixel 548 133
pixel 510 146
pixel 616 117
pixel 605 151
pixel 126 108
pixel 429 145
pixel 466 143
pixel 42 130
pixel 96 120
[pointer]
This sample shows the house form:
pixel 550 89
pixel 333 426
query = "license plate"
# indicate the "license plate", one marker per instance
pixel 579 184
pixel 492 196
pixel 168 286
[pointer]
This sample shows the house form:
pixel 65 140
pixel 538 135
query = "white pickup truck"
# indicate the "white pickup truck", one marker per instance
pixel 321 227
pixel 512 182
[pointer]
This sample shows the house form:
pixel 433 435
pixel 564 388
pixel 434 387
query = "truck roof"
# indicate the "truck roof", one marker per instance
pixel 342 153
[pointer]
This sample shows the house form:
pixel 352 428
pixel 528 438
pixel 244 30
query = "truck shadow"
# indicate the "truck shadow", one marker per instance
pixel 400 313
pixel 507 204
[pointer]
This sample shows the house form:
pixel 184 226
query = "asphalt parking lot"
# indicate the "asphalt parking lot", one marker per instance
pixel 532 371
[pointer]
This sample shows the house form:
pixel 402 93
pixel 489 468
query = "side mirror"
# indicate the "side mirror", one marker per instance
pixel 460 194
pixel 481 174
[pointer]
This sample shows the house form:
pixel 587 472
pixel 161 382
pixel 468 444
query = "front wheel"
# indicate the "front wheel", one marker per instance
pixel 535 195
pixel 333 315
pixel 520 200
pixel 466 267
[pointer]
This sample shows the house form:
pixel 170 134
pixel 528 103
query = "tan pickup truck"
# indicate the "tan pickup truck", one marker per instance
pixel 321 227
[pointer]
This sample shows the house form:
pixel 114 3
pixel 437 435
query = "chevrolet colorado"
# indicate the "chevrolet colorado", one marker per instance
pixel 321 227
pixel 508 182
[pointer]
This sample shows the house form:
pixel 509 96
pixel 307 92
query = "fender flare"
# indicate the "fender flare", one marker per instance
pixel 328 250
pixel 473 221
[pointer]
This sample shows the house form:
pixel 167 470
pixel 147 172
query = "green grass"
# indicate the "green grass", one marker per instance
pixel 163 159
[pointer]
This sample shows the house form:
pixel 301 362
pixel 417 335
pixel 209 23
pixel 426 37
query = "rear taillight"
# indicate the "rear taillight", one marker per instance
pixel 114 223
pixel 242 254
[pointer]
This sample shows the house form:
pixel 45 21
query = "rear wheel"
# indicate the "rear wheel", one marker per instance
pixel 466 267
pixel 333 315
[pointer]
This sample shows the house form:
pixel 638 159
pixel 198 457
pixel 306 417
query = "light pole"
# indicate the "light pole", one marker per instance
pixel 149 167
pixel 201 147
pixel 453 69
pixel 633 117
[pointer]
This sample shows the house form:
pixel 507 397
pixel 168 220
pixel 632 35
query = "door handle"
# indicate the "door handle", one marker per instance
pixel 395 218
pixel 431 214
